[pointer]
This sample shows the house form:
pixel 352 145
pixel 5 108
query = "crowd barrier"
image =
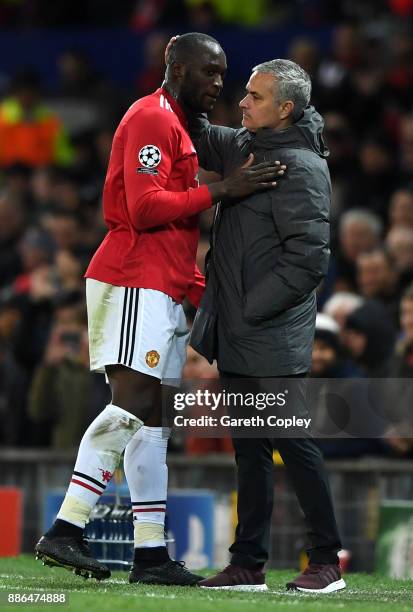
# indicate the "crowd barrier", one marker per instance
pixel 359 489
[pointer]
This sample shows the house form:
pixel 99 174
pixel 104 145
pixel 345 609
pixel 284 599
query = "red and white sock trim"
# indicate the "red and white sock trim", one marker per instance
pixel 141 509
pixel 87 482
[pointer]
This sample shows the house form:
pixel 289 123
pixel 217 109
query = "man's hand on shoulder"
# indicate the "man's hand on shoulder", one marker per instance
pixel 247 179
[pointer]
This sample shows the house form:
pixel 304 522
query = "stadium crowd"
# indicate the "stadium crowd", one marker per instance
pixel 51 223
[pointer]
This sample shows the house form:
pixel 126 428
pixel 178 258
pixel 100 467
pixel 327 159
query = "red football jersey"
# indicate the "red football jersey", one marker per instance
pixel 151 201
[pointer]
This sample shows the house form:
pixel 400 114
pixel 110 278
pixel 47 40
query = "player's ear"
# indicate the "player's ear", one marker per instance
pixel 178 70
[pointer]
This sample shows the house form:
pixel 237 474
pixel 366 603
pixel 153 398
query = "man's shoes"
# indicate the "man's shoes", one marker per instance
pixel 317 578
pixel 71 553
pixel 169 573
pixel 234 578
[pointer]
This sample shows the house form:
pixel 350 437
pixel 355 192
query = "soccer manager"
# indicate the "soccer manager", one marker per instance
pixel 257 317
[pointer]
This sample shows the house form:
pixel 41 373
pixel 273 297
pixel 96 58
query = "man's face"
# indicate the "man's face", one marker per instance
pixel 259 107
pixel 356 342
pixel 375 277
pixel 204 78
pixel 356 238
pixel 323 358
pixel 399 242
pixel 401 208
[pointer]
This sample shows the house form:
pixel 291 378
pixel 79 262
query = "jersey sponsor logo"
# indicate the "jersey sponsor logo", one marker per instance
pixel 152 358
pixel 149 156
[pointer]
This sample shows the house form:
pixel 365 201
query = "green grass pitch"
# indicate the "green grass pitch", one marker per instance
pixel 364 593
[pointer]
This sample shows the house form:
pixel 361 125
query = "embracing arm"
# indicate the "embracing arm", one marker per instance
pixel 213 143
pixel 150 201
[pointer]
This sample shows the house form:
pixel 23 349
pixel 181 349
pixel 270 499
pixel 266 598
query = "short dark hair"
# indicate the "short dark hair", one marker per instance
pixel 187 46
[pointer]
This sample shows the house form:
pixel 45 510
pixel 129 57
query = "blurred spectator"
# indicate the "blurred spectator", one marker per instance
pixel 152 74
pixel 36 249
pixel 76 77
pixel 202 15
pixel 83 99
pixel 13 380
pixel 377 278
pixel 65 229
pixel 10 316
pixel 37 297
pixel 399 244
pixel 334 73
pixel 338 413
pixel 369 337
pixel 400 72
pixel 305 53
pixel 399 436
pixel 376 178
pixel 146 14
pixel 342 163
pixel 42 189
pixel 12 224
pixel 328 360
pixel 30 133
pixel 401 208
pixel 17 183
pixel 359 232
pixel 406 146
pixel 340 306
pixel 402 362
pixel 64 395
pixel 13 396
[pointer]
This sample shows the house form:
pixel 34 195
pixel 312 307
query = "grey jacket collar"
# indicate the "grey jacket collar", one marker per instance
pixel 306 133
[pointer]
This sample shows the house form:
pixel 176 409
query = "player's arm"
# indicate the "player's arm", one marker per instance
pixel 217 146
pixel 196 290
pixel 214 144
pixel 301 218
pixel 149 199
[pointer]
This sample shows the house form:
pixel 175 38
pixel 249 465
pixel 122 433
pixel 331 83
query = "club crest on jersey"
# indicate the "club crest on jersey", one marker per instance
pixel 149 156
pixel 106 475
pixel 152 358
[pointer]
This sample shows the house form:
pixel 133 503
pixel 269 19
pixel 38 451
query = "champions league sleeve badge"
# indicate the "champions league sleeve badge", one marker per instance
pixel 149 157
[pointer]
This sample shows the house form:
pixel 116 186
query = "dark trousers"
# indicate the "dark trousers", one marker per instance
pixel 255 471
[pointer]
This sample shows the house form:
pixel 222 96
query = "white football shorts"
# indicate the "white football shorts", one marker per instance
pixel 143 329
